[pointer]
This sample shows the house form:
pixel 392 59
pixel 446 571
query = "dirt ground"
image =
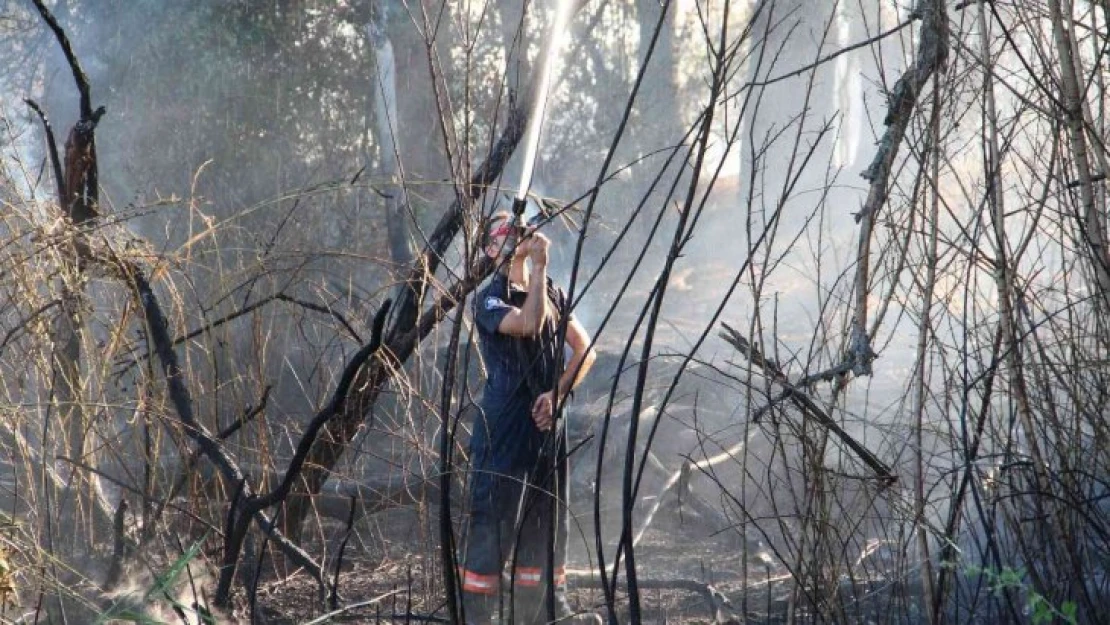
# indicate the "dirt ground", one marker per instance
pixel 393 558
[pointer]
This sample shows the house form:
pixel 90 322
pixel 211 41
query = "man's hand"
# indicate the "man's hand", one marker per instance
pixel 543 411
pixel 535 247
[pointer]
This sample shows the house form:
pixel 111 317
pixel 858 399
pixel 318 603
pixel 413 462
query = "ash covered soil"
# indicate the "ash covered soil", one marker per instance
pixel 394 557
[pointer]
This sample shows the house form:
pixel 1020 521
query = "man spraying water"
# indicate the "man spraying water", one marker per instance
pixel 518 488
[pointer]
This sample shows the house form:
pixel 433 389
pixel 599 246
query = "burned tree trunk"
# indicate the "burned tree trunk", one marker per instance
pixel 79 205
pixel 78 198
pixel 72 509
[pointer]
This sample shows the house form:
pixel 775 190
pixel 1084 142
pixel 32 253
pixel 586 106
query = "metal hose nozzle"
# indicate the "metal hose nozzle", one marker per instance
pixel 520 204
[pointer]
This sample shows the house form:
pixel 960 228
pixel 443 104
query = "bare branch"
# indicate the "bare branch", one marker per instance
pixel 79 76
pixel 807 405
pixel 51 147
pixel 932 56
pixel 833 55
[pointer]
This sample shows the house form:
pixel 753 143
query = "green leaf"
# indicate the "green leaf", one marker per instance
pixel 161 586
pixel 1070 611
pixel 1010 578
pixel 1041 611
pixel 169 578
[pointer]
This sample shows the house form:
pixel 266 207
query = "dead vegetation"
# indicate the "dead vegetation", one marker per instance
pixel 258 412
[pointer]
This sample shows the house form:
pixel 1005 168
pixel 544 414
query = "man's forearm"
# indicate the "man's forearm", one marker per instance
pixel 535 303
pixel 577 368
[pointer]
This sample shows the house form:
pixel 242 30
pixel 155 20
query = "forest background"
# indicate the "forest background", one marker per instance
pixel 845 263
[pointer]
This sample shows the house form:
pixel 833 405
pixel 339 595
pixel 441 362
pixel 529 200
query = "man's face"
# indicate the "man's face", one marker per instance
pixel 499 234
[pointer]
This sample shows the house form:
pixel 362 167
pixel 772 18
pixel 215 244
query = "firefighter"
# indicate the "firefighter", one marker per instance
pixel 518 481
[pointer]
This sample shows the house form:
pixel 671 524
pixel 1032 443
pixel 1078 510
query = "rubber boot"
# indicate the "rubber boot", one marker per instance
pixel 479 609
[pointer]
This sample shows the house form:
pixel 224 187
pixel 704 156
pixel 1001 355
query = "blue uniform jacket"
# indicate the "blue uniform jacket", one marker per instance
pixel 505 440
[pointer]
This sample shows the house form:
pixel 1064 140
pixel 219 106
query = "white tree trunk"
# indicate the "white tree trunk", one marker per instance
pixel 388 141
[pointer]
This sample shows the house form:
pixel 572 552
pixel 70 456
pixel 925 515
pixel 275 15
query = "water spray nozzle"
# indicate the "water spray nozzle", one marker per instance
pixel 518 222
pixel 519 205
pixel 519 225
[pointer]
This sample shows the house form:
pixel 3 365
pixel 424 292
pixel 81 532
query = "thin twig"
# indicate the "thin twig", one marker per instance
pixel 246 310
pixel 246 417
pixel 333 599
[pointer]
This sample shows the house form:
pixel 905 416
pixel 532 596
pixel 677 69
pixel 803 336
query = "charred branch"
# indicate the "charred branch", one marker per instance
pixel 806 404
pixel 51 147
pixel 77 184
pixel 119 547
pixel 932 56
pixel 248 415
pixel 209 446
pixel 425 266
pixel 127 363
pixel 79 76
pixel 79 190
pixel 334 407
pixel 333 595
pixel 1074 184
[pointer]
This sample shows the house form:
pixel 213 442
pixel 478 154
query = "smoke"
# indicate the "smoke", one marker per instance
pixel 243 145
pixel 143 597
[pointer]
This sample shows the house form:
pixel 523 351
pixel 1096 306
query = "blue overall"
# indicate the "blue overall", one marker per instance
pixel 518 485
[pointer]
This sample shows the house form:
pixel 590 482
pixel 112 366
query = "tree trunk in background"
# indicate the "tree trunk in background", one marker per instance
pixel 426 169
pixel 658 109
pixel 1092 223
pixel 514 41
pixel 847 94
pixel 397 213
